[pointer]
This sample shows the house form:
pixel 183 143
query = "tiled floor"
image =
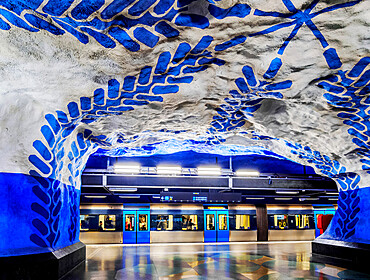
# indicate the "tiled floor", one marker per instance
pixel 288 260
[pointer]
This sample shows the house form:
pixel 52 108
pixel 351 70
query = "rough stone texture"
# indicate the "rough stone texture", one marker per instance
pixel 285 112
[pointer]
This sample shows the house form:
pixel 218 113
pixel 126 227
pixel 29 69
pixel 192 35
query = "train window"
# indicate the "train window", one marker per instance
pixel 281 221
pixel 189 222
pixel 222 221
pixel 143 222
pixel 210 219
pixel 130 222
pixel 164 222
pixel 84 222
pixel 107 222
pixel 302 221
pixel 242 222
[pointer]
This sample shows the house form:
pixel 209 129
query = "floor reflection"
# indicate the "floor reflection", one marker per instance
pixel 208 261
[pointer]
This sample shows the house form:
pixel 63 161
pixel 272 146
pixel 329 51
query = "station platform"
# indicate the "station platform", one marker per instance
pixel 236 260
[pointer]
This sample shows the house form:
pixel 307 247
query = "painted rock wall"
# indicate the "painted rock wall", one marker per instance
pixel 136 77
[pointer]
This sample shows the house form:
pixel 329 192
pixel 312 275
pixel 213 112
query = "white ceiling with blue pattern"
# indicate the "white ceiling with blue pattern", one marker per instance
pixel 140 77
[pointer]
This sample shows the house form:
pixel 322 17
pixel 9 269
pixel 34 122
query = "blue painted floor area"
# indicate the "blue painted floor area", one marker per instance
pixel 288 260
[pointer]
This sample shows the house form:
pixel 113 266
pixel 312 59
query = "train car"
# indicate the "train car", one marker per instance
pixel 181 223
pixel 320 210
pixel 290 222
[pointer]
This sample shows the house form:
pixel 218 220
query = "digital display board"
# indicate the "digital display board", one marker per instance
pixel 199 197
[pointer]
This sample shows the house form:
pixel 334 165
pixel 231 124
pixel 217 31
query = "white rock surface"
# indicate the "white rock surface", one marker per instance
pixel 41 73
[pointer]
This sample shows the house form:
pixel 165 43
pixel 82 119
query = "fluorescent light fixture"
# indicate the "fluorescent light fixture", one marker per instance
pixel 283 198
pixel 332 198
pixel 95 196
pixel 209 170
pixel 247 173
pixel 254 198
pixel 156 196
pixel 128 168
pixel 332 193
pixel 129 196
pixel 169 169
pixel 312 198
pixel 287 192
pixel 113 189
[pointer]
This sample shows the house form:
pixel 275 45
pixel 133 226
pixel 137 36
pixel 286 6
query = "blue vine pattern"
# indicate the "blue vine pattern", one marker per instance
pixel 122 22
pixel 152 84
pixel 133 26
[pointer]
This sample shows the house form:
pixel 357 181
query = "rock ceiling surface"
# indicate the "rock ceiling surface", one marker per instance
pixel 289 77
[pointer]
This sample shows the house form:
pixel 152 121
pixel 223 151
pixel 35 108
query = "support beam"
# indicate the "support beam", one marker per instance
pixel 262 223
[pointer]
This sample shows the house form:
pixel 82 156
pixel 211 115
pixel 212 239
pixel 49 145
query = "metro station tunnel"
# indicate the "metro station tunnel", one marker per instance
pixel 184 139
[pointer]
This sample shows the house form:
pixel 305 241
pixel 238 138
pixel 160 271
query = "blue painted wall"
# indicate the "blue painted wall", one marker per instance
pixel 37 215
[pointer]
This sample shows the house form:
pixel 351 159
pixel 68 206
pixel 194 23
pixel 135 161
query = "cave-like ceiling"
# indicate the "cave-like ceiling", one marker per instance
pixel 134 78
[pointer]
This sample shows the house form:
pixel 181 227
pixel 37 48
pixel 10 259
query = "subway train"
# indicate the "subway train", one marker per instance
pixel 180 223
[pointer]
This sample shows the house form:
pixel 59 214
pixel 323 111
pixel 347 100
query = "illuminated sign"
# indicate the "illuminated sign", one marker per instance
pixel 199 197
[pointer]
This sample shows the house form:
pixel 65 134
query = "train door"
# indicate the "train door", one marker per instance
pixel 136 226
pixel 210 234
pixel 223 226
pixel 216 226
pixel 129 227
pixel 143 229
pixel 321 210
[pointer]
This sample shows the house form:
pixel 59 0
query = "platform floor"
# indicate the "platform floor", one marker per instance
pixel 273 260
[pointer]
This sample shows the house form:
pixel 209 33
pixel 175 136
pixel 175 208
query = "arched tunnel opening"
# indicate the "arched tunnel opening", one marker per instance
pixel 90 85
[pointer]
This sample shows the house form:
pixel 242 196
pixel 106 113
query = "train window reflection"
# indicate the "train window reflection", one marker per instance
pixel 210 219
pixel 84 222
pixel 143 222
pixel 130 222
pixel 189 222
pixel 165 222
pixel 222 222
pixel 243 222
pixel 107 222
pixel 302 221
pixel 281 221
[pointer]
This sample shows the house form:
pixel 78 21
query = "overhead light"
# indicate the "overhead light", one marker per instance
pixel 174 169
pixel 247 173
pixel 332 198
pixel 209 170
pixel 95 196
pixel 156 196
pixel 283 198
pixel 254 198
pixel 129 196
pixel 113 189
pixel 312 198
pixel 128 168
pixel 332 193
pixel 287 192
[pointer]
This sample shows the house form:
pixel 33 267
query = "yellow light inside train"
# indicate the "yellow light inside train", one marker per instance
pixel 247 173
pixel 209 170
pixel 127 168
pixel 169 169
